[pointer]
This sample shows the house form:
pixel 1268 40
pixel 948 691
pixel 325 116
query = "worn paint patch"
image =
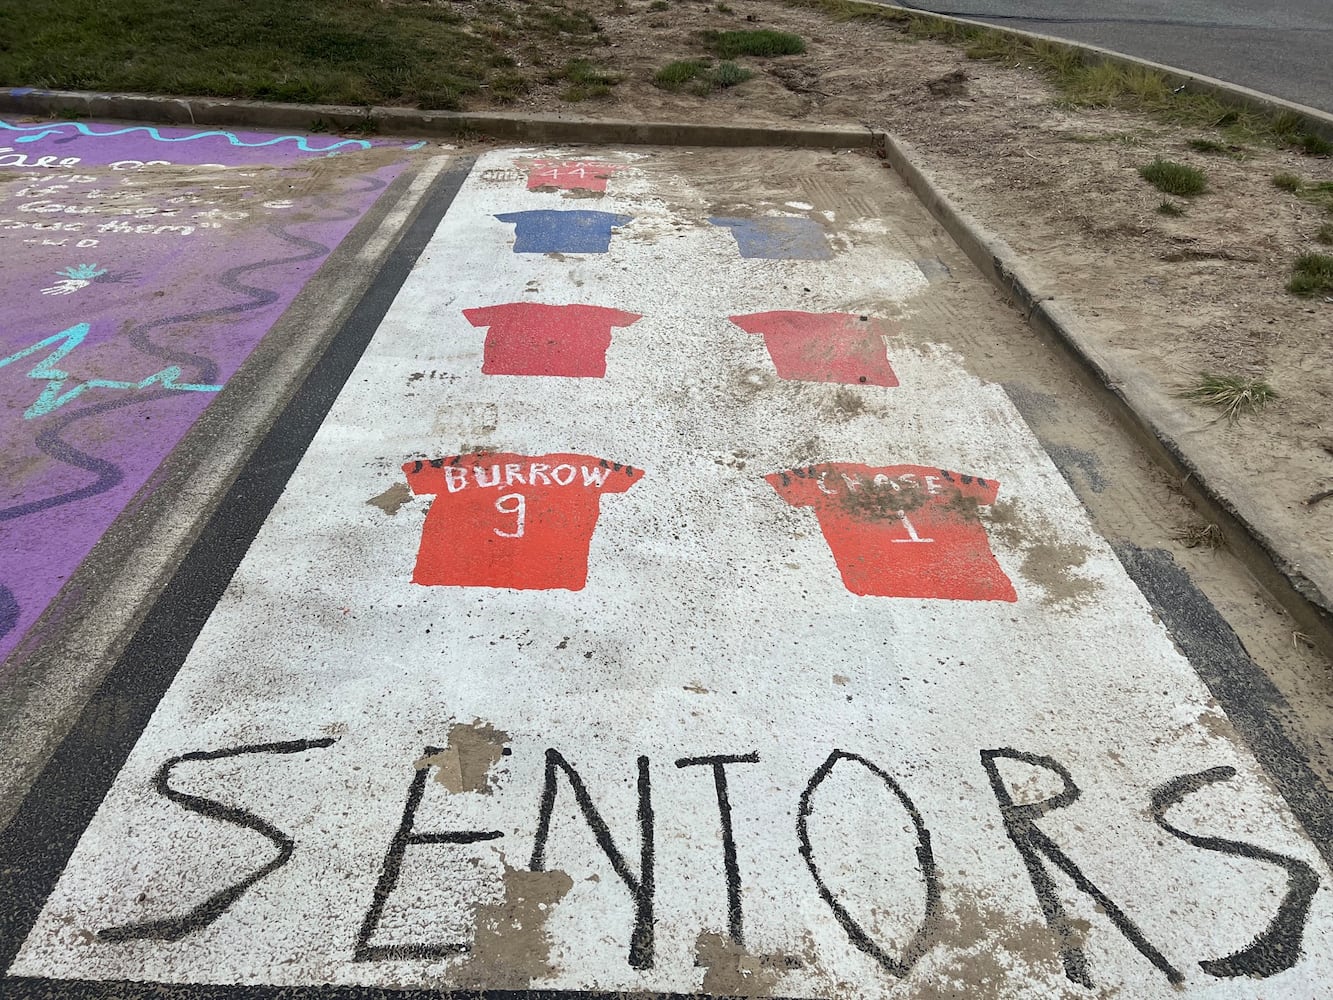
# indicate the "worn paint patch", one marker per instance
pixel 1047 562
pixel 392 499
pixel 464 765
pixel 732 971
pixel 512 946
pixel 995 955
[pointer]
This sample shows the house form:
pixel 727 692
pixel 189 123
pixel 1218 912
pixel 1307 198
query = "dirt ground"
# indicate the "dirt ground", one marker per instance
pixel 1173 296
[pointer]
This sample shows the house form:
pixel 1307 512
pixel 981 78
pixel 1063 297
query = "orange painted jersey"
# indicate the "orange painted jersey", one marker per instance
pixel 506 520
pixel 904 530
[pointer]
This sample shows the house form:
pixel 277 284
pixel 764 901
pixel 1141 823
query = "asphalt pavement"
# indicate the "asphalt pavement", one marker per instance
pixel 1284 49
pixel 659 586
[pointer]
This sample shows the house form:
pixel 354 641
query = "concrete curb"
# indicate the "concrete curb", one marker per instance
pixel 409 121
pixel 1312 119
pixel 1135 400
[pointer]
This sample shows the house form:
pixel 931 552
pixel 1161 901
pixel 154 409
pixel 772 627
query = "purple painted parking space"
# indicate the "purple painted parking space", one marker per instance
pixel 142 266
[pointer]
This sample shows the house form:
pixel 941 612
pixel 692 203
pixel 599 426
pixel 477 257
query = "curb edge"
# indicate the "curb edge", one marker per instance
pixel 1314 120
pixel 409 121
pixel 1051 317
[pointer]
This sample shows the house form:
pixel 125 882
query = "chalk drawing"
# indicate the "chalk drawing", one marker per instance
pixel 54 395
pixel 74 279
pixel 145 365
pixel 36 133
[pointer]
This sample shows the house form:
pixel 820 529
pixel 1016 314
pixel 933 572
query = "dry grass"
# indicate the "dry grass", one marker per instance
pixel 1232 394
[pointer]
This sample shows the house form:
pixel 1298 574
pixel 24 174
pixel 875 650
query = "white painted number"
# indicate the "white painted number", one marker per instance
pixel 902 516
pixel 519 510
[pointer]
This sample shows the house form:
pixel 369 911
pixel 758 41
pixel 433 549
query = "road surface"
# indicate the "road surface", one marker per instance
pixel 1284 49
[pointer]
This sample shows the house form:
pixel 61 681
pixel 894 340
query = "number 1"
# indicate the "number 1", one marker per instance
pixel 902 516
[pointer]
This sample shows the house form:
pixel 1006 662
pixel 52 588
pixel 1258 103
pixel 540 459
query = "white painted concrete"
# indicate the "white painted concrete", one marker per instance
pixel 713 621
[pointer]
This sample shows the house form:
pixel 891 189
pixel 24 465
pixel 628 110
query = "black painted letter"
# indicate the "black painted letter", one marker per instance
pixel 1020 822
pixel 1278 948
pixel 640 886
pixel 735 918
pixel 392 868
pixel 175 928
pixel 923 938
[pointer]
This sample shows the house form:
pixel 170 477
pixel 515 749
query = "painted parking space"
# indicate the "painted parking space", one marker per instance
pixel 142 265
pixel 654 615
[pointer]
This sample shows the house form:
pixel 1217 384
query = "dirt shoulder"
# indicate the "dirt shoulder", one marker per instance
pixel 1165 297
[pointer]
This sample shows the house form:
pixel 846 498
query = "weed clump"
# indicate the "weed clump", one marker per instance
pixel 584 80
pixel 1169 207
pixel 763 43
pixel 1312 275
pixel 1314 145
pixel 1325 234
pixel 699 76
pixel 1287 182
pixel 1232 394
pixel 1174 178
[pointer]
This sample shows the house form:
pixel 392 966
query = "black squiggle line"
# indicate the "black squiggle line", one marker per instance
pixel 50 440
pixel 9 611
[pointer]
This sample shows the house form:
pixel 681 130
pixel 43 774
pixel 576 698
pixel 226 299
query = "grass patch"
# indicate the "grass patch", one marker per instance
pixel 730 44
pixel 1312 275
pixel 584 80
pixel 1287 182
pixel 356 52
pixel 1314 145
pixel 508 86
pixel 1232 394
pixel 676 76
pixel 657 5
pixel 1168 207
pixel 1174 178
pixel 700 76
pixel 1325 234
pixel 1209 147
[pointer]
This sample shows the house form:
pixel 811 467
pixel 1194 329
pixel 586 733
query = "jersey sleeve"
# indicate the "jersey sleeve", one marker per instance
pixel 616 317
pixel 983 491
pixel 513 217
pixel 778 321
pixel 799 490
pixel 752 322
pixel 622 476
pixel 484 316
pixel 426 477
pixel 621 220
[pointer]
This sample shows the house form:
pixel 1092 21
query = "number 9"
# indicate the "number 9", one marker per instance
pixel 519 509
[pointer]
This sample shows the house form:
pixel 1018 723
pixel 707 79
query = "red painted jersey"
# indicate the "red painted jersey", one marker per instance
pixel 902 531
pixel 570 175
pixel 526 338
pixel 824 347
pixel 505 520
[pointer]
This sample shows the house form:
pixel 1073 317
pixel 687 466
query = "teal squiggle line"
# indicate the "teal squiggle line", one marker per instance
pixel 52 398
pixel 301 142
